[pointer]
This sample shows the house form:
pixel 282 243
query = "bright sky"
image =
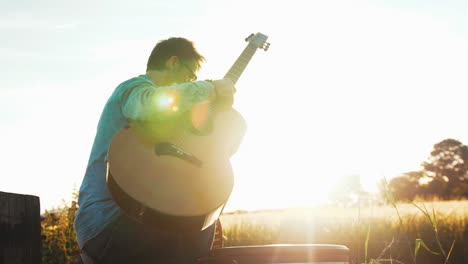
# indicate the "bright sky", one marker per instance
pixel 345 89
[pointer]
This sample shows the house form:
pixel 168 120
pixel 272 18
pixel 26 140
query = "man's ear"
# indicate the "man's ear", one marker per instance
pixel 172 62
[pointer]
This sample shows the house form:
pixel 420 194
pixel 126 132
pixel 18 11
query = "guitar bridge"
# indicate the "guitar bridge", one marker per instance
pixel 166 148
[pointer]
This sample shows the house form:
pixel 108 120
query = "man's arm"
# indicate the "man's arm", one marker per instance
pixel 147 103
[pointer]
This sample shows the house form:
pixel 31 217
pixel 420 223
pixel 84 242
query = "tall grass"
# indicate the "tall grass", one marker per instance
pixel 419 232
pixel 380 226
pixel 59 245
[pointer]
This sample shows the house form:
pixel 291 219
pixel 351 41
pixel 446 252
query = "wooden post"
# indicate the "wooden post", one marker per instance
pixel 20 229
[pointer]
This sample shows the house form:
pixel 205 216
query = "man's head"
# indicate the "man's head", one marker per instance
pixel 174 60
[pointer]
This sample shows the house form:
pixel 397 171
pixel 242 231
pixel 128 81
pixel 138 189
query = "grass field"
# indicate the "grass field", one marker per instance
pixel 354 226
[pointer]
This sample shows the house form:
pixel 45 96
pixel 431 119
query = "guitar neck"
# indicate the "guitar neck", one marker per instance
pixel 241 63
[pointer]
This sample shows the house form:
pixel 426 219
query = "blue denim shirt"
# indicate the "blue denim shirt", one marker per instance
pixel 131 100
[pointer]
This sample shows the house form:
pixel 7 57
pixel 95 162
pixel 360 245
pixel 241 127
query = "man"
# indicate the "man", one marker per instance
pixel 105 234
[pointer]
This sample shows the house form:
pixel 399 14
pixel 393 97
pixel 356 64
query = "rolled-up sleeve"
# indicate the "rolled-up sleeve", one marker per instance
pixel 146 102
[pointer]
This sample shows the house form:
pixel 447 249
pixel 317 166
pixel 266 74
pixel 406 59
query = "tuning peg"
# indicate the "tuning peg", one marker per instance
pixel 266 46
pixel 249 37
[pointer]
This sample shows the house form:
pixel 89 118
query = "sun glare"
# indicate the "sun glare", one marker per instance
pixel 357 113
pixel 166 101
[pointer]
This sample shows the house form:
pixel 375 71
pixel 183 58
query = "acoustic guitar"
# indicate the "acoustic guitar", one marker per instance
pixel 181 184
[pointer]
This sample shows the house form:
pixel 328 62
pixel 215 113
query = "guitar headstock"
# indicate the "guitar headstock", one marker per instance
pixel 258 40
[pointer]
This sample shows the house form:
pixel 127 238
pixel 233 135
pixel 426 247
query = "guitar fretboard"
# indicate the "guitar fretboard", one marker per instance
pixel 241 63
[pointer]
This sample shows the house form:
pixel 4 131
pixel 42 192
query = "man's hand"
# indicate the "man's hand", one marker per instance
pixel 224 94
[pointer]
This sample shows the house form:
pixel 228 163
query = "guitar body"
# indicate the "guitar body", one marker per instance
pixel 162 188
pixel 182 182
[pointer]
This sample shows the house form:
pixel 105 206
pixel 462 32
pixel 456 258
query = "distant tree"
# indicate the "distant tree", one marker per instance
pixel 447 168
pixel 406 186
pixel 346 190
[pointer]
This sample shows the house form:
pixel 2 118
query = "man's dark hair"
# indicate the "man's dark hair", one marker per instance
pixel 183 48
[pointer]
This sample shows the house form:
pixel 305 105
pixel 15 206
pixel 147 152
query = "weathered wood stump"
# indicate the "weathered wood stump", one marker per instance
pixel 20 229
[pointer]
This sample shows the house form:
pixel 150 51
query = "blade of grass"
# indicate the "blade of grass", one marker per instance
pixel 433 222
pixel 366 243
pixel 427 248
pixel 391 199
pixel 416 247
pixel 450 252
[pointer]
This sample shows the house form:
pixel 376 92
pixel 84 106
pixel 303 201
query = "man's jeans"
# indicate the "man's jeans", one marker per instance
pixel 126 241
